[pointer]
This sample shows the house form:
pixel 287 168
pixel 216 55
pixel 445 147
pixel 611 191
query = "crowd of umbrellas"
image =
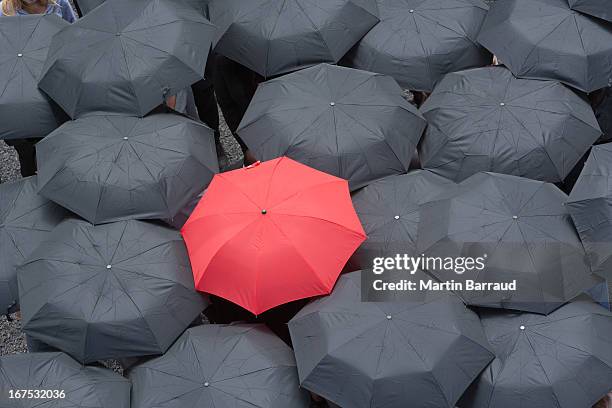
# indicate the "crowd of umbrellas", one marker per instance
pixel 130 231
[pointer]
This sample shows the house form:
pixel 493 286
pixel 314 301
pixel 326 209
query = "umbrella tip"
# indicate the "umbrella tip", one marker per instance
pixel 109 266
pixel 522 327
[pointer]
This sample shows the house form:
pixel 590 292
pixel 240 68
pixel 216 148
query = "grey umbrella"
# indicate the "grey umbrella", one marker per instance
pixel 26 219
pixel 56 380
pixel 389 212
pixel 24 43
pixel 273 37
pixel 563 360
pixel 522 230
pixel 387 354
pixel 111 291
pixel 597 8
pixel 109 168
pixel 418 41
pixel 545 39
pixel 486 119
pixel 127 57
pixel 87 5
pixel 350 123
pixel 214 366
pixel 590 205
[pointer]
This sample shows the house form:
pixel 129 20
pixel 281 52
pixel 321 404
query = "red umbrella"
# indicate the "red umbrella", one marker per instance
pixel 272 233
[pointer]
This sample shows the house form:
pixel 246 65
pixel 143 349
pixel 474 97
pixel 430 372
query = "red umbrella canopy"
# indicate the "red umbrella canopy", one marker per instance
pixel 272 233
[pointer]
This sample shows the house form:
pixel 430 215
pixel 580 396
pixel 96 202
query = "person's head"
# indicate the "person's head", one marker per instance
pixel 10 7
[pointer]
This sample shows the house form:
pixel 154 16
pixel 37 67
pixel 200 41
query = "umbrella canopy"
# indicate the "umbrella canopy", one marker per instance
pixel 418 41
pixel 87 5
pixel 522 230
pixel 271 233
pixel 110 168
pixel 389 212
pixel 349 123
pixel 113 291
pixel 595 8
pixel 221 366
pixel 590 205
pixel 563 360
pixel 26 219
pixel 603 112
pixel 486 119
pixel 126 57
pixel 383 354
pixel 24 43
pixel 546 39
pixel 49 374
pixel 273 37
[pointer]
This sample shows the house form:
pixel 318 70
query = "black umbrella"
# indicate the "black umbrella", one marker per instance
pixel 87 5
pixel 24 43
pixel 546 39
pixel 590 205
pixel 603 112
pixel 56 380
pixel 126 57
pixel 389 212
pixel 418 41
pixel 214 366
pixel 387 354
pixel 597 8
pixel 273 37
pixel 109 168
pixel 350 123
pixel 26 219
pixel 486 119
pixel 113 291
pixel 522 232
pixel 563 360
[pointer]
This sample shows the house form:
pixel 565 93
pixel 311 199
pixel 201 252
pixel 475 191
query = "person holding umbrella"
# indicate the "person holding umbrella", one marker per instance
pixel 25 147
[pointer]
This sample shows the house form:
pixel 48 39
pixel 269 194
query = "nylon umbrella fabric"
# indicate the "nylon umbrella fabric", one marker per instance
pixel 545 39
pixel 273 37
pixel 486 119
pixel 271 233
pixel 127 57
pixel 389 212
pixel 111 168
pixel 349 123
pixel 592 7
pixel 221 366
pixel 417 42
pixel 87 5
pixel 524 233
pixel 590 205
pixel 26 219
pixel 116 290
pixel 24 43
pixel 82 386
pixel 563 360
pixel 603 112
pixel 382 354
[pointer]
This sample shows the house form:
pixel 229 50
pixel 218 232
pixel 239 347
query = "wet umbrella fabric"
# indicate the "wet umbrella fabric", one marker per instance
pixel 273 37
pixel 24 43
pixel 417 42
pixel 523 231
pixel 596 8
pixel 563 360
pixel 590 205
pixel 110 168
pixel 545 39
pixel 271 233
pixel 486 119
pixel 127 57
pixel 111 291
pixel 389 212
pixel 221 366
pixel 92 387
pixel 26 219
pixel 381 354
pixel 349 123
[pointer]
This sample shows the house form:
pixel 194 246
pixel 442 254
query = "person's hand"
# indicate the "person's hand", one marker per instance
pixel 171 101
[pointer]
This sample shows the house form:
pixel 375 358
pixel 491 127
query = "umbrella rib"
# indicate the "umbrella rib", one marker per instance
pixel 146 167
pixel 270 38
pixel 131 80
